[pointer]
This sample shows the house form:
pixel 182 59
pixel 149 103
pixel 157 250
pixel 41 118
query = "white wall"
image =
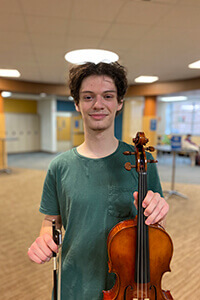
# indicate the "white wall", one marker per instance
pixel 161 115
pixel 47 112
pixel 22 132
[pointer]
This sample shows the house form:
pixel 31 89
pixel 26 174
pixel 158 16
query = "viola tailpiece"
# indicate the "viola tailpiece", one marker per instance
pixel 138 254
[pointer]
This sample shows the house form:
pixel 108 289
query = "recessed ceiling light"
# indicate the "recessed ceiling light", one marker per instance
pixel 174 98
pixel 91 55
pixel 43 95
pixel 195 65
pixel 9 73
pixel 146 79
pixel 6 94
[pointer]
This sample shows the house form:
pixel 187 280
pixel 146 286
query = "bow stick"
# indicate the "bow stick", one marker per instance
pixel 57 237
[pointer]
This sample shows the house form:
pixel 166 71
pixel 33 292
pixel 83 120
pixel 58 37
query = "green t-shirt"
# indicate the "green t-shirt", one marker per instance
pixel 92 196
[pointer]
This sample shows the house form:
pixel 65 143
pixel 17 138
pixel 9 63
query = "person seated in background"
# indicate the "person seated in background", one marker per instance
pixel 188 144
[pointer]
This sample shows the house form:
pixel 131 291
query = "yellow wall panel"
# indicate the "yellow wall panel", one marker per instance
pixel 2 126
pixel 20 106
pixel 78 139
pixel 77 130
pixel 132 119
pixel 63 128
pixel 150 134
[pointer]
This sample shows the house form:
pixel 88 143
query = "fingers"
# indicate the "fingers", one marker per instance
pixel 41 250
pixel 50 242
pixel 135 195
pixel 155 206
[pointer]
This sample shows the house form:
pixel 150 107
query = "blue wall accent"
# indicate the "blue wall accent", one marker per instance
pixel 118 126
pixel 68 106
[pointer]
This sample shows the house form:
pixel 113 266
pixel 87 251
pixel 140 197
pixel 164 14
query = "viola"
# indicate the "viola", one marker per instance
pixel 139 254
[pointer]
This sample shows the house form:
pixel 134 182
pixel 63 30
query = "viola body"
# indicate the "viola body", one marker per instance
pixel 122 252
pixel 138 254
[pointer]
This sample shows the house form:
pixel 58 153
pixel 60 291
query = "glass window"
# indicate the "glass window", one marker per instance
pixel 184 117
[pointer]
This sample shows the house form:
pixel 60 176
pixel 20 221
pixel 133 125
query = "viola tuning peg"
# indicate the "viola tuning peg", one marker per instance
pixel 128 153
pixel 150 148
pixel 152 161
pixel 128 166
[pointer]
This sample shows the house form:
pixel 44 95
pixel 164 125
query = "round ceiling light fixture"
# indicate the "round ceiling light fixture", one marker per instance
pixel 82 56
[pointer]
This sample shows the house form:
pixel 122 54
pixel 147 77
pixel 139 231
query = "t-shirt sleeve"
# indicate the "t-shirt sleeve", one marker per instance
pixel 49 203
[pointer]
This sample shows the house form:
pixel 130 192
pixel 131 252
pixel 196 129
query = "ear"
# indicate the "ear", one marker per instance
pixel 77 107
pixel 120 105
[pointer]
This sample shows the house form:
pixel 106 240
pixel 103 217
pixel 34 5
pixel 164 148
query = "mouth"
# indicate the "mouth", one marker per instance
pixel 98 116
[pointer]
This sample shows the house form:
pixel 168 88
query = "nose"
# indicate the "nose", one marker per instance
pixel 98 104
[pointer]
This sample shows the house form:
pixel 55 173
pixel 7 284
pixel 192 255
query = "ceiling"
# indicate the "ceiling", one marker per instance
pixel 157 37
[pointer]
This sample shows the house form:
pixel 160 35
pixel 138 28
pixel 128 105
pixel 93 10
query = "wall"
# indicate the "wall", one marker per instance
pixel 161 115
pixel 22 132
pixel 3 152
pixel 22 125
pixel 132 118
pixel 20 106
pixel 77 130
pixel 64 131
pixel 65 106
pixel 118 126
pixel 47 111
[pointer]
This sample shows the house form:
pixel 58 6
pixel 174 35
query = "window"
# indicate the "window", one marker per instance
pixel 184 118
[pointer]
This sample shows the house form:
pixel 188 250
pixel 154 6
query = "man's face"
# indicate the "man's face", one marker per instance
pixel 98 102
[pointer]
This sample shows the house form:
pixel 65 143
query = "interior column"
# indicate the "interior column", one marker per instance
pixel 3 153
pixel 150 120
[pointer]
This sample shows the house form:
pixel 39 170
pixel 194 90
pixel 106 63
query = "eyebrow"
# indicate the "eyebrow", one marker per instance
pixel 107 91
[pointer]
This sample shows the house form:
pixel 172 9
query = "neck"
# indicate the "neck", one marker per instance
pixel 98 144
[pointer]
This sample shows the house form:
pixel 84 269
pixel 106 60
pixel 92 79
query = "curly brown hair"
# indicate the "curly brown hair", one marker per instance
pixel 113 70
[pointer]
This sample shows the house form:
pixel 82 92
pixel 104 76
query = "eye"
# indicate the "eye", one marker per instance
pixel 108 96
pixel 87 97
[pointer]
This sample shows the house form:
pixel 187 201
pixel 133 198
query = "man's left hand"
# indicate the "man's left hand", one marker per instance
pixel 156 208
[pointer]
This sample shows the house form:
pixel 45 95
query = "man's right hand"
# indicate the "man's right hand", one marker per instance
pixel 42 249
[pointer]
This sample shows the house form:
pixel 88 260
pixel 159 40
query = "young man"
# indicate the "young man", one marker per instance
pixel 87 189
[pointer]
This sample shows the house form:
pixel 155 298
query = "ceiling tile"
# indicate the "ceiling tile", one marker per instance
pixel 13 39
pixel 182 17
pixel 74 43
pixel 10 7
pixel 48 39
pixel 142 12
pixel 126 31
pixel 189 2
pixel 95 10
pixel 88 28
pixel 118 44
pixel 49 55
pixel 11 22
pixel 46 25
pixel 49 8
